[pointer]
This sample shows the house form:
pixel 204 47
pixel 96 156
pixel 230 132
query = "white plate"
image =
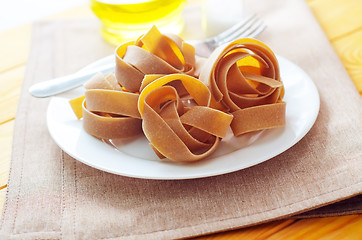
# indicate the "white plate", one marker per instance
pixel 135 158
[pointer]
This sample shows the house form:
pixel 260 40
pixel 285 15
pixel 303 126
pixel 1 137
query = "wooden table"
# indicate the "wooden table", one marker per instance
pixel 342 23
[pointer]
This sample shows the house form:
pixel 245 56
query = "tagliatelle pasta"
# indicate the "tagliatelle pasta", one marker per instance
pixel 176 131
pixel 111 114
pixel 152 53
pixel 156 90
pixel 244 79
pixel 99 81
pixel 111 100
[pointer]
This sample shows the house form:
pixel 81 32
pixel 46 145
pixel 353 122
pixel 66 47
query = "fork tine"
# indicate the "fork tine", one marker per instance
pixel 250 27
pixel 257 31
pixel 245 31
pixel 234 28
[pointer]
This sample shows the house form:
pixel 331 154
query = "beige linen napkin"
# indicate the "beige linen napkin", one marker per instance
pixel 53 196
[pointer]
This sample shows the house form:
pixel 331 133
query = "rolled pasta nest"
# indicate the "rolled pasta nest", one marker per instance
pixel 183 105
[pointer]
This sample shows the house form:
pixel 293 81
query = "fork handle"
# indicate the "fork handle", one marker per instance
pixel 65 83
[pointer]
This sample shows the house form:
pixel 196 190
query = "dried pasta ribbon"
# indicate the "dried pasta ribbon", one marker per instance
pixel 176 130
pixel 154 90
pixel 99 81
pixel 258 118
pixel 152 53
pixel 108 111
pixel 244 79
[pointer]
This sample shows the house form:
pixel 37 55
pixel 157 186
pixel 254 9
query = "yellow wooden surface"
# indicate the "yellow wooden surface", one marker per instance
pixel 340 19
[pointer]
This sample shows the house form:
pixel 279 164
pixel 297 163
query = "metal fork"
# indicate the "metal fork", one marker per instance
pixel 250 27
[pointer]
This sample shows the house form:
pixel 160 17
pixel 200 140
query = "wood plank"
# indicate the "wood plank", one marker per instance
pixel 338 17
pixel 352 230
pixel 262 231
pixel 349 50
pixel 318 228
pixel 10 84
pixel 14 47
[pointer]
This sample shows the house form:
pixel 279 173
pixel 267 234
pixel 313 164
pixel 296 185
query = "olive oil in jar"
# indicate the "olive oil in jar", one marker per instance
pixel 124 20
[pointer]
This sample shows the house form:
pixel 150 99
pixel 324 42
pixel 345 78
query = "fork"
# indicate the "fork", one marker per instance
pixel 249 27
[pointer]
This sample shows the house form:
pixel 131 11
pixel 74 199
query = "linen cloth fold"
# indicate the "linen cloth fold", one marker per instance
pixel 53 196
